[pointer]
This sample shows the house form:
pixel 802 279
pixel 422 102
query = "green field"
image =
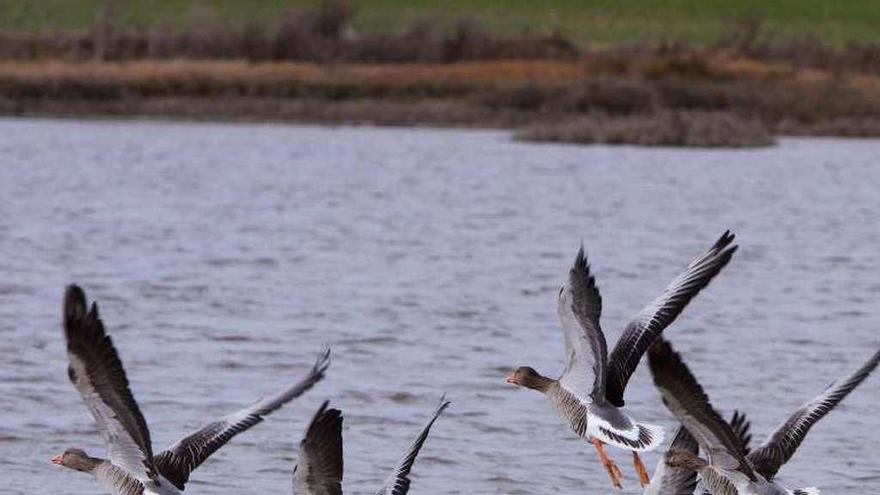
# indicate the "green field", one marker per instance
pixel 594 21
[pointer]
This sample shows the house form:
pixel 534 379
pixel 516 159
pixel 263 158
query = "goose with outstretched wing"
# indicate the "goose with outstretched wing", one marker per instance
pixel 668 480
pixel 589 394
pixel 318 469
pixel 781 445
pixel 688 402
pixel 131 468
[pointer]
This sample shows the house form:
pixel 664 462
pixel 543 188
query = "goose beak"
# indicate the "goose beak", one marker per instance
pixel 511 378
pixel 58 459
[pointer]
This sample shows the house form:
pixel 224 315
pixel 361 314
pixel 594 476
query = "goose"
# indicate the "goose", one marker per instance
pixel 782 444
pixel 318 468
pixel 589 394
pixel 686 400
pixel 668 480
pixel 131 468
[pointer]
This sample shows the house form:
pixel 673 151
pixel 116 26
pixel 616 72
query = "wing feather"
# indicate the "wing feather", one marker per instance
pixel 579 309
pixel 398 482
pixel 318 469
pixel 782 444
pixel 742 429
pixel 97 373
pixel 178 461
pixel 662 311
pixel 686 400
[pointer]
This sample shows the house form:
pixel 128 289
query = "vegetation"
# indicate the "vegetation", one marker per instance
pixel 665 128
pixel 596 21
pixel 326 62
pixel 668 98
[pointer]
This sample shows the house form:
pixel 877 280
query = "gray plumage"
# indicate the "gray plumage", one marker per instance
pixel 398 482
pixel 179 460
pixel 319 467
pixel 589 393
pixel 781 445
pixel 96 372
pixel 668 480
pixel 131 468
pixel 650 322
pixel 686 400
pixel 784 442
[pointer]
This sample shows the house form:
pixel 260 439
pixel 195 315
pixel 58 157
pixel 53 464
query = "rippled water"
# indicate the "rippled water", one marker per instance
pixel 225 256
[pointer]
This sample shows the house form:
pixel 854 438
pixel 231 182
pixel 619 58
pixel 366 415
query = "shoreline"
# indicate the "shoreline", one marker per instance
pixel 593 100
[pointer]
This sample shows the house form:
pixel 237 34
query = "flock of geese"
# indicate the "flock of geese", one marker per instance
pixel 708 454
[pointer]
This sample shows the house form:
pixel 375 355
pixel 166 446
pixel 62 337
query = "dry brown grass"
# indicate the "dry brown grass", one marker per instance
pixel 629 92
pixel 666 128
pixel 185 77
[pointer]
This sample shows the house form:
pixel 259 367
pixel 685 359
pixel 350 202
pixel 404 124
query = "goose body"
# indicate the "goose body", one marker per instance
pixel 589 393
pixel 725 459
pixel 782 444
pixel 131 468
pixel 668 480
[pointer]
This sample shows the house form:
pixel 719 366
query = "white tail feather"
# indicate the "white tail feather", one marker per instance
pixel 805 491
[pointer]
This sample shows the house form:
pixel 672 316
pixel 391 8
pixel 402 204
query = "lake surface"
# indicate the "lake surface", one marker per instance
pixel 225 256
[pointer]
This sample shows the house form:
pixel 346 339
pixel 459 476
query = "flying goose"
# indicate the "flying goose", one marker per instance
pixel 781 445
pixel 589 394
pixel 669 480
pixel 131 468
pixel 686 400
pixel 318 469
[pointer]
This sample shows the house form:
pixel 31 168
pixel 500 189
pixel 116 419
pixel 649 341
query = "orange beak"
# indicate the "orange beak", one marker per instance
pixel 511 378
pixel 58 459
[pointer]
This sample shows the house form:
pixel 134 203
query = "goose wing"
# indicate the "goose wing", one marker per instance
pixel 398 482
pixel 97 373
pixel 579 309
pixel 686 400
pixel 669 480
pixel 742 429
pixel 318 469
pixel 783 443
pixel 656 316
pixel 178 461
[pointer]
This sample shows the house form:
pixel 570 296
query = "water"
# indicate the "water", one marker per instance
pixel 225 257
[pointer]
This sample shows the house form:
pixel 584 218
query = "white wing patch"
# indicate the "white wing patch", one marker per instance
pixel 639 437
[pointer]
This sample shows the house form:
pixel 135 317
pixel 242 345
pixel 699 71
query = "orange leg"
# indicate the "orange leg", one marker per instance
pixel 644 479
pixel 612 468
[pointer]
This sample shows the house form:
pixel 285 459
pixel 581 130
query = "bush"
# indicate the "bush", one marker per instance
pixel 695 129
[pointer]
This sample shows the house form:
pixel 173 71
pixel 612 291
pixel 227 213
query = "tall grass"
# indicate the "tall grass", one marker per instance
pixel 319 34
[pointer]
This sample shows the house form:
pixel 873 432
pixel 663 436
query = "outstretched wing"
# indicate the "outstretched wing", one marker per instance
pixel 651 320
pixel 318 469
pixel 669 480
pixel 97 373
pixel 686 400
pixel 579 308
pixel 398 482
pixel 178 461
pixel 783 443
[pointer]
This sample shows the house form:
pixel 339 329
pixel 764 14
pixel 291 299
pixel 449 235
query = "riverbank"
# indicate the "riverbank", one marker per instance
pixel 599 90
